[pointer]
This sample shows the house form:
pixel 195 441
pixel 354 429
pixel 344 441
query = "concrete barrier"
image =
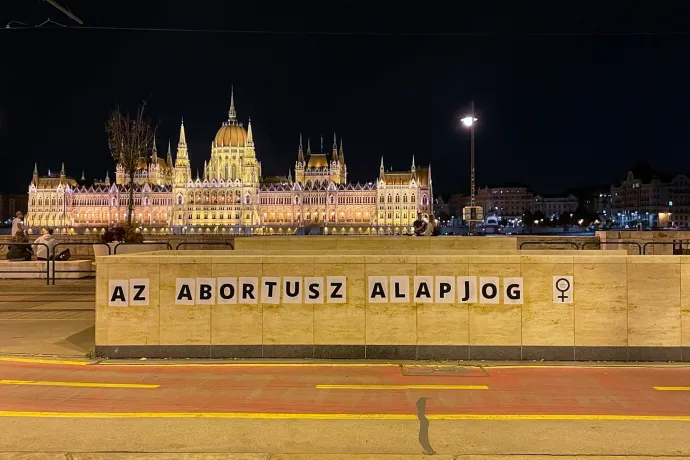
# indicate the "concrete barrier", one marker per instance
pixel 613 306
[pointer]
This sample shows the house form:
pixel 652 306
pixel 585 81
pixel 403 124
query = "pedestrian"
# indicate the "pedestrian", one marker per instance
pixel 18 223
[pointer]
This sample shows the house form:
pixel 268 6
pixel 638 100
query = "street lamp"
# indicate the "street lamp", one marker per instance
pixel 469 121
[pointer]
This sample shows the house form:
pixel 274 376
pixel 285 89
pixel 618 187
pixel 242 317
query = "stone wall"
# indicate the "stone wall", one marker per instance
pixel 84 248
pixel 536 242
pixel 634 308
pixel 660 242
pixel 401 243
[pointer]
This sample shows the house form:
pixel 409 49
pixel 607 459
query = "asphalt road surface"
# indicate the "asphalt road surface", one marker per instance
pixel 344 409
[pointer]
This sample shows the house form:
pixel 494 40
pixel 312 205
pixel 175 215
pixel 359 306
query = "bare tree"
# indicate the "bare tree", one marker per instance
pixel 129 140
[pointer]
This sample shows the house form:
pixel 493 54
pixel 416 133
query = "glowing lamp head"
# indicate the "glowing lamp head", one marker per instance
pixel 468 121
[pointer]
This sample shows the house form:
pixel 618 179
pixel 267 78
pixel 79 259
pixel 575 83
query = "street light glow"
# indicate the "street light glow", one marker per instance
pixel 469 121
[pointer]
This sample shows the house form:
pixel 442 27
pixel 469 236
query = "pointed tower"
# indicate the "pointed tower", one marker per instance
pixel 250 135
pixel 300 163
pixel 183 172
pixel 232 114
pixel 34 179
pixel 169 160
pixel 414 167
pixel 308 146
pixel 107 179
pixel 62 171
pixel 321 151
pixel 154 153
pixel 334 151
pixel 343 167
pixel 205 170
pixel 381 169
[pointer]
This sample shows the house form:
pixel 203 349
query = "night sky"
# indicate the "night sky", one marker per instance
pixel 568 93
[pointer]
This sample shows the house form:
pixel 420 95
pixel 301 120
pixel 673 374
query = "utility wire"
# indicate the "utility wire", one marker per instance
pixel 351 33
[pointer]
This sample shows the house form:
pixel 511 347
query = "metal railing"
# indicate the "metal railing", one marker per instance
pixel 199 243
pixel 542 243
pixel 55 254
pixel 677 246
pixel 47 261
pixel 599 243
pixel 152 243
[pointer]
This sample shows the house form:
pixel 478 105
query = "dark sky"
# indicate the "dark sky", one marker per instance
pixel 568 93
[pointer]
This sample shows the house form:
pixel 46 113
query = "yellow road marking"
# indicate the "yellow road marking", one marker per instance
pixel 145 364
pixel 11 359
pixel 672 388
pixel 318 416
pixel 76 384
pixel 402 387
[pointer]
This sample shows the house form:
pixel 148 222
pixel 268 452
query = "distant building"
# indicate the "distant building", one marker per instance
pixel 653 199
pixel 553 206
pixel 233 196
pixel 505 202
pixel 599 202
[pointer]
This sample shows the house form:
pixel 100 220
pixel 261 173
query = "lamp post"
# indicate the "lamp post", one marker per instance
pixel 469 122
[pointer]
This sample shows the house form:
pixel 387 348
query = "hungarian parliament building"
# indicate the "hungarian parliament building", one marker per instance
pixel 233 196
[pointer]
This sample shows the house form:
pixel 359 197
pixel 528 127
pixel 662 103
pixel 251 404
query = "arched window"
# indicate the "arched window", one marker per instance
pixel 296 199
pixel 179 199
pixel 247 199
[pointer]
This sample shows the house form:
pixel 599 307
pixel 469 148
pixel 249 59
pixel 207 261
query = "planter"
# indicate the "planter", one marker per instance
pixel 100 250
pixel 133 248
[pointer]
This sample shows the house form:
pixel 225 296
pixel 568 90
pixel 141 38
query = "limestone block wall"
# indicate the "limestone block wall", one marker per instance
pixel 401 243
pixel 85 251
pixel 616 307
pixel 661 241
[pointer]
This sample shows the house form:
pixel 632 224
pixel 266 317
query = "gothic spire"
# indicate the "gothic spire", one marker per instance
pixel 169 159
pixel 334 154
pixel 341 156
pixel 413 165
pixel 321 144
pixel 62 169
pixel 183 139
pixel 232 114
pixel 300 152
pixel 308 146
pixel 83 177
pixel 250 136
pixel 154 155
pixel 35 169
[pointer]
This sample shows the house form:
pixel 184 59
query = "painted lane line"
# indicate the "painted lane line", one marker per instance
pixel 9 359
pixel 672 388
pixel 112 364
pixel 321 416
pixel 402 387
pixel 77 384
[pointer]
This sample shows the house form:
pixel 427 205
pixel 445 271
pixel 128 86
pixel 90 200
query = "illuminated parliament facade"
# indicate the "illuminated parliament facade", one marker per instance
pixel 232 196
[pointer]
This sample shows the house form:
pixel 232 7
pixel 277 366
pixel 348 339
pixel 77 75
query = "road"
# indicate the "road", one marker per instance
pixel 343 408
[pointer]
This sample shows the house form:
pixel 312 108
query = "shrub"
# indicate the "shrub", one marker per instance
pixel 121 234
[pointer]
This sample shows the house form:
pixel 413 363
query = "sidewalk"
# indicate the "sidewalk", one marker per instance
pixel 38 320
pixel 269 456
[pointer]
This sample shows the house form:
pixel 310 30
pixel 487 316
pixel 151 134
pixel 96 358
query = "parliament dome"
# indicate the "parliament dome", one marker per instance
pixel 231 135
